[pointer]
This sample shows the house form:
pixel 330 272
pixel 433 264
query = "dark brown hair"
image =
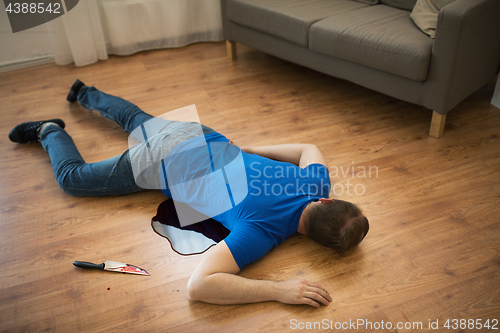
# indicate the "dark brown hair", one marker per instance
pixel 338 225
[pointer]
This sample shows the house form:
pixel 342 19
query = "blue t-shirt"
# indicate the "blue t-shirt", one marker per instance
pixel 258 199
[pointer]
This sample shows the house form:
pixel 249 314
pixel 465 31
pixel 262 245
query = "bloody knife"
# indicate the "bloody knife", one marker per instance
pixel 112 266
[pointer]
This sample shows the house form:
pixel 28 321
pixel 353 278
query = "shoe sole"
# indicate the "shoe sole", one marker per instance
pixel 73 91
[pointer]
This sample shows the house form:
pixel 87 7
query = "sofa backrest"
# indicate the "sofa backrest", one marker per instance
pixel 402 4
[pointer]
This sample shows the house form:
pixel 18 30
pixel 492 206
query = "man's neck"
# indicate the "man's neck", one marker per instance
pixel 302 229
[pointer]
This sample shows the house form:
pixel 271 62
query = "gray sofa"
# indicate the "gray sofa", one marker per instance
pixel 377 46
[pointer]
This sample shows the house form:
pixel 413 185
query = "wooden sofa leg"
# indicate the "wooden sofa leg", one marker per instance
pixel 437 125
pixel 231 49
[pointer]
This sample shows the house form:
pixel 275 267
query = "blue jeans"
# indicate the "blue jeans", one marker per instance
pixel 113 176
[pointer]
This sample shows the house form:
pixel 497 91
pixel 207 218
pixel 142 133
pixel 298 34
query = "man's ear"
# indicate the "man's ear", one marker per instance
pixel 323 200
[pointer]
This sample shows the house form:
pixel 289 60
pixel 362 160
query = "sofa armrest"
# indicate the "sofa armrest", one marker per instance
pixel 466 52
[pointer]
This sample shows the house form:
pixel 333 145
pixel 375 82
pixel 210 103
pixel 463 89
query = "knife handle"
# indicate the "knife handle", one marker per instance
pixel 84 264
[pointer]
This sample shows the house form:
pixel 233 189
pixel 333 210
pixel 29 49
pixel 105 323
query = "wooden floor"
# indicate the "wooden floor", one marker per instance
pixel 432 253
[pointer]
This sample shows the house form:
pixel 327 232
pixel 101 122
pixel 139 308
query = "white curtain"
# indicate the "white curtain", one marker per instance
pixel 96 28
pixel 496 94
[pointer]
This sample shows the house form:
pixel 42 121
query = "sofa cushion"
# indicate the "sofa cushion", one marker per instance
pixel 425 14
pixel 401 4
pixel 379 37
pixel 369 2
pixel 287 19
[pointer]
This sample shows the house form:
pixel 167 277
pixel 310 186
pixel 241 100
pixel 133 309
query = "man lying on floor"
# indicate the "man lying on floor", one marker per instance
pixel 283 189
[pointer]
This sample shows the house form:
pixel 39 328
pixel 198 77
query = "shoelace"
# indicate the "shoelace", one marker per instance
pixel 30 132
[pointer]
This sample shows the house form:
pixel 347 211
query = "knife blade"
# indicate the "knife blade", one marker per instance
pixel 112 266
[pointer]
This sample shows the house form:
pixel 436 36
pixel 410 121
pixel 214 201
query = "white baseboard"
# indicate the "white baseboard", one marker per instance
pixel 12 66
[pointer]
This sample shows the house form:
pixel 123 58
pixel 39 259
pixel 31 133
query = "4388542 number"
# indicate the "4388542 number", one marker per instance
pixel 33 8
pixel 471 324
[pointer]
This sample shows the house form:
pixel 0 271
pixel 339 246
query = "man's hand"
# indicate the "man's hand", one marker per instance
pixel 303 292
pixel 215 281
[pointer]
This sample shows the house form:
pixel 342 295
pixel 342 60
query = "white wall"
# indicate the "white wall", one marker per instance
pixel 22 48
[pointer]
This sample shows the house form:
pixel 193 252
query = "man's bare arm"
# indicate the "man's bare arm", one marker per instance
pixel 215 281
pixel 301 154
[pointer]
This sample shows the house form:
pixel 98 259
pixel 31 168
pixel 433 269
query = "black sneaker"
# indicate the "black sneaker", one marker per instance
pixel 73 91
pixel 28 132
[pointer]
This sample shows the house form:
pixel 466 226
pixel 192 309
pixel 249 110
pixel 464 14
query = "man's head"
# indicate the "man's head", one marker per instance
pixel 335 224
